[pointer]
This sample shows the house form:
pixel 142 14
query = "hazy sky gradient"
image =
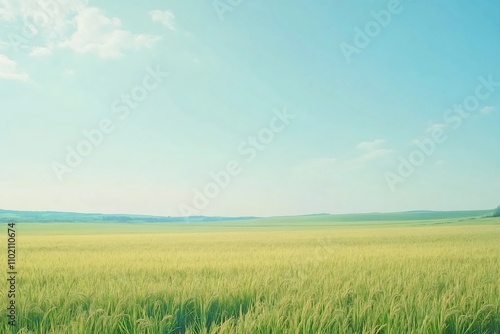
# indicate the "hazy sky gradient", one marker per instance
pixel 227 79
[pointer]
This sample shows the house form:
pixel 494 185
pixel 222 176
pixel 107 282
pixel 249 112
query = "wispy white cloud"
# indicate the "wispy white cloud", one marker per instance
pixel 166 18
pixel 41 51
pixel 374 154
pixel 486 110
pixel 9 70
pixel 47 18
pixel 69 72
pixel 372 150
pixel 53 26
pixel 7 10
pixel 432 127
pixel 370 145
pixel 103 36
pixel 46 22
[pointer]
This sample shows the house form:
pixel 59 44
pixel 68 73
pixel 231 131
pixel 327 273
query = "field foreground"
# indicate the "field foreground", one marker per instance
pixel 431 277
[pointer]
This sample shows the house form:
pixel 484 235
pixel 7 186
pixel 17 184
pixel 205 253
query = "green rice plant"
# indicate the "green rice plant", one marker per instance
pixel 382 278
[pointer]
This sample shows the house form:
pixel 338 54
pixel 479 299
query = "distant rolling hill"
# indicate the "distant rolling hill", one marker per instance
pixel 402 216
pixel 69 217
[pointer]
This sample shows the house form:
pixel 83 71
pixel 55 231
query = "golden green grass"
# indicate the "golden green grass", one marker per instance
pixel 408 279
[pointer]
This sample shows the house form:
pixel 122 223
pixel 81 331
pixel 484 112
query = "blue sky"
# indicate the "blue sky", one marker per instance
pixel 250 108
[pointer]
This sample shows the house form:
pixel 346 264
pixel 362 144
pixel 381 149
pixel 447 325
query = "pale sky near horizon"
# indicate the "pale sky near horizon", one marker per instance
pixel 308 107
